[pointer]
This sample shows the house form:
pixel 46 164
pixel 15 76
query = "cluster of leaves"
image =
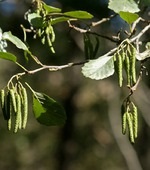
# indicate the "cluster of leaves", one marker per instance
pixel 43 17
pixel 125 56
pixel 14 98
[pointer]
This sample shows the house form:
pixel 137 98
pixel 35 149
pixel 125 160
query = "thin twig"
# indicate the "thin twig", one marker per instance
pixel 93 24
pixel 81 30
pixel 133 88
pixel 141 33
pixel 77 28
pixel 135 23
pixel 55 68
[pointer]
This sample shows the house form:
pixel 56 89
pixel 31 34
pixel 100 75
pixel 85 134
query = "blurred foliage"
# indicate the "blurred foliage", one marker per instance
pixel 87 140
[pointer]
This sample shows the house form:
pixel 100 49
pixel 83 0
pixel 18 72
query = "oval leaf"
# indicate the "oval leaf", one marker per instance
pixel 47 111
pixel 100 68
pixel 128 16
pixel 8 56
pixel 123 5
pixel 59 19
pixel 79 14
pixel 15 40
pixel 51 9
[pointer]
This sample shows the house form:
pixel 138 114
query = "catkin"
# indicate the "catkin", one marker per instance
pixel 25 107
pixel 52 33
pixel 2 98
pixel 9 121
pixel 127 69
pixel 120 67
pixel 8 110
pixel 124 123
pixel 13 99
pixel 133 65
pixel 18 114
pixel 135 120
pixel 124 119
pixel 130 126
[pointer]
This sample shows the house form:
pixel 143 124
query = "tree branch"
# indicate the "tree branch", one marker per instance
pixel 93 24
pixel 55 68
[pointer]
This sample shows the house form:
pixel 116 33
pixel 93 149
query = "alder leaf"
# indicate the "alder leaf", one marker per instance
pixel 100 68
pixel 51 9
pixel 47 111
pixel 123 5
pixel 8 56
pixel 59 19
pixel 128 16
pixel 15 40
pixel 79 14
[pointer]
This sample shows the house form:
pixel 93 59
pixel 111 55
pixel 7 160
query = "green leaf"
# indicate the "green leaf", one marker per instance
pixel 79 14
pixel 128 16
pixel 47 111
pixel 123 5
pixel 51 9
pixel 8 56
pixel 100 68
pixel 15 40
pixel 35 20
pixel 59 19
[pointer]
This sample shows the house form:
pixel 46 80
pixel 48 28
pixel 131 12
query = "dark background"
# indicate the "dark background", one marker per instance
pixel 91 137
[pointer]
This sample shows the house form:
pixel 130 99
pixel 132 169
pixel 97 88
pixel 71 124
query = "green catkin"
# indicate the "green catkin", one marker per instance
pixel 123 55
pixel 130 126
pixel 120 67
pixel 25 107
pixel 50 44
pixel 18 113
pixel 9 122
pixel 135 120
pixel 127 69
pixel 52 34
pixel 39 32
pixel 43 40
pixel 124 123
pixel 8 110
pixel 133 65
pixel 124 119
pixel 2 98
pixel 13 99
pixel 115 62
